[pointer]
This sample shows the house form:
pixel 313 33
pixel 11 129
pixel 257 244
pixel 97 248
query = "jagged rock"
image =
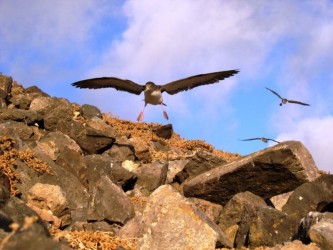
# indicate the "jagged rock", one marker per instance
pixel 17 210
pixel 21 101
pixel 100 125
pixel 5 86
pixel 50 198
pixel 312 196
pixel 76 193
pixel 266 173
pixel 211 210
pixel 24 132
pixel 109 203
pixel 26 116
pixel 308 221
pixel 121 152
pixel 90 140
pixel 151 176
pixel 141 149
pixel 322 234
pixel 43 104
pixel 104 165
pixel 35 92
pixel 170 221
pixel 55 143
pixel 201 162
pixel 90 111
pixel 27 230
pixel 122 177
pixel 280 200
pixel 164 131
pixel 248 221
pixel 174 168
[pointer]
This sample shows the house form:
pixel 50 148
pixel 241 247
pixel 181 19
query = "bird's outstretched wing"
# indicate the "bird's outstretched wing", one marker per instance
pixel 273 140
pixel 297 102
pixel 251 139
pixel 110 82
pixel 195 81
pixel 274 93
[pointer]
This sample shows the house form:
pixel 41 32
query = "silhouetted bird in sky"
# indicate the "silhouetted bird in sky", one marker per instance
pixel 263 139
pixel 153 92
pixel 284 100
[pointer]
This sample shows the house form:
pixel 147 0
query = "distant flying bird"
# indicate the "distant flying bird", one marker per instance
pixel 153 92
pixel 263 139
pixel 284 100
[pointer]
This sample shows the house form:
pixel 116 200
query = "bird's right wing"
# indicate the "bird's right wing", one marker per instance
pixel 195 81
pixel 297 102
pixel 110 82
pixel 274 93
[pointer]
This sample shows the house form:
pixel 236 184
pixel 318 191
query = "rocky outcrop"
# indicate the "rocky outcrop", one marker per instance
pixel 288 163
pixel 73 177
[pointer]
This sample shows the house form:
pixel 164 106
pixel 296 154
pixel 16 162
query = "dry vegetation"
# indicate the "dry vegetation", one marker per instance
pixel 98 241
pixel 8 157
pixel 145 131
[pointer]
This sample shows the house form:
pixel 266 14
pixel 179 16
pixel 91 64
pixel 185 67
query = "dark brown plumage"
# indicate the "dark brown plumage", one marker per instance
pixel 153 92
pixel 284 100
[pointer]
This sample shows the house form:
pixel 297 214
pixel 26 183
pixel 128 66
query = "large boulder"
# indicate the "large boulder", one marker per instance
pixel 312 196
pixel 170 221
pixel 248 221
pixel 266 173
pixel 109 203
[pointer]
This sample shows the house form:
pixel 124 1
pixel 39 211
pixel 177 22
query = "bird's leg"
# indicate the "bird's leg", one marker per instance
pixel 141 115
pixel 164 112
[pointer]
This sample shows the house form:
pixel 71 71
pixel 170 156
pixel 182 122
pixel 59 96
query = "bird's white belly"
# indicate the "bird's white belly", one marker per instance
pixel 154 97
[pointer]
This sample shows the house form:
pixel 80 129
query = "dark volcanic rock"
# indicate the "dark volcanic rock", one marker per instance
pixel 201 162
pixel 248 221
pixel 151 176
pixel 108 202
pixel 89 111
pixel 312 196
pixel 266 173
pixel 310 220
pixel 26 116
pixel 164 131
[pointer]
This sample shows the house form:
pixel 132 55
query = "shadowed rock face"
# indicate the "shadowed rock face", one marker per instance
pixel 266 173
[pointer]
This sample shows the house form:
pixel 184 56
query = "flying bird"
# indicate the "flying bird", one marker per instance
pixel 152 91
pixel 263 139
pixel 284 100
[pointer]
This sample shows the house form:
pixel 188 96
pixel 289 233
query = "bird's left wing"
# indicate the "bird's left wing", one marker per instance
pixel 297 102
pixel 110 82
pixel 251 139
pixel 195 81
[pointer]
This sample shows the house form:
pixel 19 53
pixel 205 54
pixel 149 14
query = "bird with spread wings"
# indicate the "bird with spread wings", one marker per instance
pixel 153 92
pixel 285 100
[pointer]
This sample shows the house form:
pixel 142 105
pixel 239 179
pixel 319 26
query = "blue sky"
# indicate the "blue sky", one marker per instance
pixel 283 45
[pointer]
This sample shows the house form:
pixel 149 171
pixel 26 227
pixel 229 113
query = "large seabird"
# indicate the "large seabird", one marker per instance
pixel 152 91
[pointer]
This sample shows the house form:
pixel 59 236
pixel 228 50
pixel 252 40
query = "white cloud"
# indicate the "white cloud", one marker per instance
pixel 316 135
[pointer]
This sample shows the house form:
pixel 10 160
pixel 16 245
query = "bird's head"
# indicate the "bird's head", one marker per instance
pixel 149 86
